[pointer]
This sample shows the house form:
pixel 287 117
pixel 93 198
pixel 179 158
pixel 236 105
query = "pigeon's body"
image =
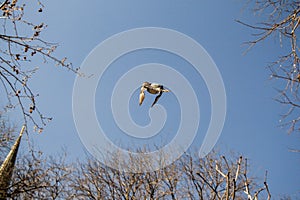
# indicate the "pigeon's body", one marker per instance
pixel 152 88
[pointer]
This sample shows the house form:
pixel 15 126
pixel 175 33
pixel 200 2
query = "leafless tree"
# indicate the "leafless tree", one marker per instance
pixel 29 175
pixel 40 177
pixel 281 18
pixel 213 177
pixel 21 49
pixel 37 176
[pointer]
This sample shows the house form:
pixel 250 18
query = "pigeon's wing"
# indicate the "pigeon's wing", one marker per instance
pixel 142 97
pixel 156 99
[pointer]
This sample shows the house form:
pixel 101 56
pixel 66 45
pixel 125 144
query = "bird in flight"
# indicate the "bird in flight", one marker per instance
pixel 152 88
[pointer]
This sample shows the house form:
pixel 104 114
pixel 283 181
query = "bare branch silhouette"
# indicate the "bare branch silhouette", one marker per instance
pixel 281 18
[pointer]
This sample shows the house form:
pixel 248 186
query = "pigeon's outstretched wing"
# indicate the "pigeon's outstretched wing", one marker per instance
pixel 142 97
pixel 156 98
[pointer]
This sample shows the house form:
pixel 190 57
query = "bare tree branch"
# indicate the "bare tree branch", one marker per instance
pixel 18 54
pixel 283 19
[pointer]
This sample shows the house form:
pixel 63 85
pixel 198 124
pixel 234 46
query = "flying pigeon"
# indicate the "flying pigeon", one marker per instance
pixel 152 88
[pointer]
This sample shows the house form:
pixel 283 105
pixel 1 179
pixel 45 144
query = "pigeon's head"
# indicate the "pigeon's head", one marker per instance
pixel 146 84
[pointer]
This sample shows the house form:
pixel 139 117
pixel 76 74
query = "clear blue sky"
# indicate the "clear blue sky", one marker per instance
pixel 251 126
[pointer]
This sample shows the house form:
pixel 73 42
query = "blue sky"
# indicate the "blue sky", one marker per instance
pixel 251 126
